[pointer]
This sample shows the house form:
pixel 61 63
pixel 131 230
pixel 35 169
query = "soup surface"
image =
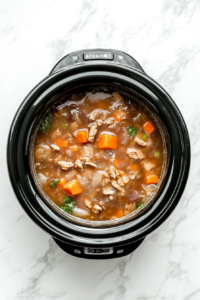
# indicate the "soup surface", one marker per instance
pixel 99 156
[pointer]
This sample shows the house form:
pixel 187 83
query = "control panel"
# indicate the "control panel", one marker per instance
pixel 92 55
pixel 98 251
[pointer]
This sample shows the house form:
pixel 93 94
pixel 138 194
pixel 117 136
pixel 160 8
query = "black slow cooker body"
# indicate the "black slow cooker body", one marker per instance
pixel 89 67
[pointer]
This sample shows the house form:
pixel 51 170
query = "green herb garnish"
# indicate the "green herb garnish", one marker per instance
pixel 132 130
pixel 157 154
pixel 47 123
pixel 140 206
pixel 144 137
pixel 54 183
pixel 69 204
pixel 65 125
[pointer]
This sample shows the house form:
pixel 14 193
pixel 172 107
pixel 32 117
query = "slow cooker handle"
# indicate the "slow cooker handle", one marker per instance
pixel 85 56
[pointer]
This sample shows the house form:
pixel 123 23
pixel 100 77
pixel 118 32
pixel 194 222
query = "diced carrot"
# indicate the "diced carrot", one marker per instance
pixel 118 115
pixel 61 143
pixel 62 182
pixel 82 136
pixel 148 127
pixel 121 173
pixel 74 148
pixel 107 141
pixel 116 162
pixel 152 179
pixel 119 213
pixel 73 187
pixel 134 167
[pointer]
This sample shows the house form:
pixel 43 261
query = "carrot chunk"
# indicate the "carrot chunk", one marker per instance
pixel 119 213
pixel 82 137
pixel 116 162
pixel 73 187
pixel 62 182
pixel 61 143
pixel 152 179
pixel 148 127
pixel 107 141
pixel 118 115
pixel 134 167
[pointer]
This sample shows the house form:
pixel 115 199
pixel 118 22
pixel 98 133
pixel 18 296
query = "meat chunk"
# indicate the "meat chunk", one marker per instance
pixel 65 165
pixel 96 209
pixel 135 153
pixel 128 208
pixel 148 165
pixel 112 172
pixel 99 122
pixel 55 147
pixel 120 181
pixel 140 142
pixel 106 178
pixel 75 116
pixel 56 134
pixel 110 121
pixel 117 97
pixel 74 126
pixel 87 153
pixel 116 185
pixel 108 191
pixel 78 165
pixel 90 164
pixel 88 202
pixel 92 132
pixel 94 115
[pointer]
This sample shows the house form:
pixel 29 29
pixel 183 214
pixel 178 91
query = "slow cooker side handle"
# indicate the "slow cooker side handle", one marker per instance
pixel 88 55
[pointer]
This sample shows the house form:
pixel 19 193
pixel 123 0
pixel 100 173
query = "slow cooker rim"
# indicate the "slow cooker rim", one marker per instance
pixel 26 99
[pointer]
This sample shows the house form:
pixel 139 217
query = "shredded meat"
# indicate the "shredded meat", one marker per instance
pixel 90 164
pixel 102 204
pixel 56 160
pixel 55 147
pixel 117 96
pixel 65 165
pixel 135 153
pixel 94 115
pixel 108 191
pixel 116 185
pixel 106 178
pixel 96 209
pixel 78 165
pixel 120 182
pixel 148 165
pixel 128 208
pixel 99 122
pixel 37 164
pixel 55 134
pixel 109 121
pixel 140 142
pixel 86 154
pixel 88 202
pixel 75 116
pixel 92 132
pixel 112 172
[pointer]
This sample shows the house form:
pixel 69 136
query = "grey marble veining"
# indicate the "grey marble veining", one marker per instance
pixel 163 35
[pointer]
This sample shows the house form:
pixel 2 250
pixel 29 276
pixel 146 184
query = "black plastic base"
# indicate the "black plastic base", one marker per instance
pixel 117 251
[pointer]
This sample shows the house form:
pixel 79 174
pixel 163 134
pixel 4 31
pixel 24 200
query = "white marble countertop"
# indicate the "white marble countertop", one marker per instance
pixel 164 36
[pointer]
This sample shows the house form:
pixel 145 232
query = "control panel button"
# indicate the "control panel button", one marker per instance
pixel 98 251
pixel 98 56
pixel 120 251
pixel 77 251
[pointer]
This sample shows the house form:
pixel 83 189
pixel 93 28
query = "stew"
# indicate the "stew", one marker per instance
pixel 99 156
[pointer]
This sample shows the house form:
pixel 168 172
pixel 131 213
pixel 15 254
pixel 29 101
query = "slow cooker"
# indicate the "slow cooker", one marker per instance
pixel 105 67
